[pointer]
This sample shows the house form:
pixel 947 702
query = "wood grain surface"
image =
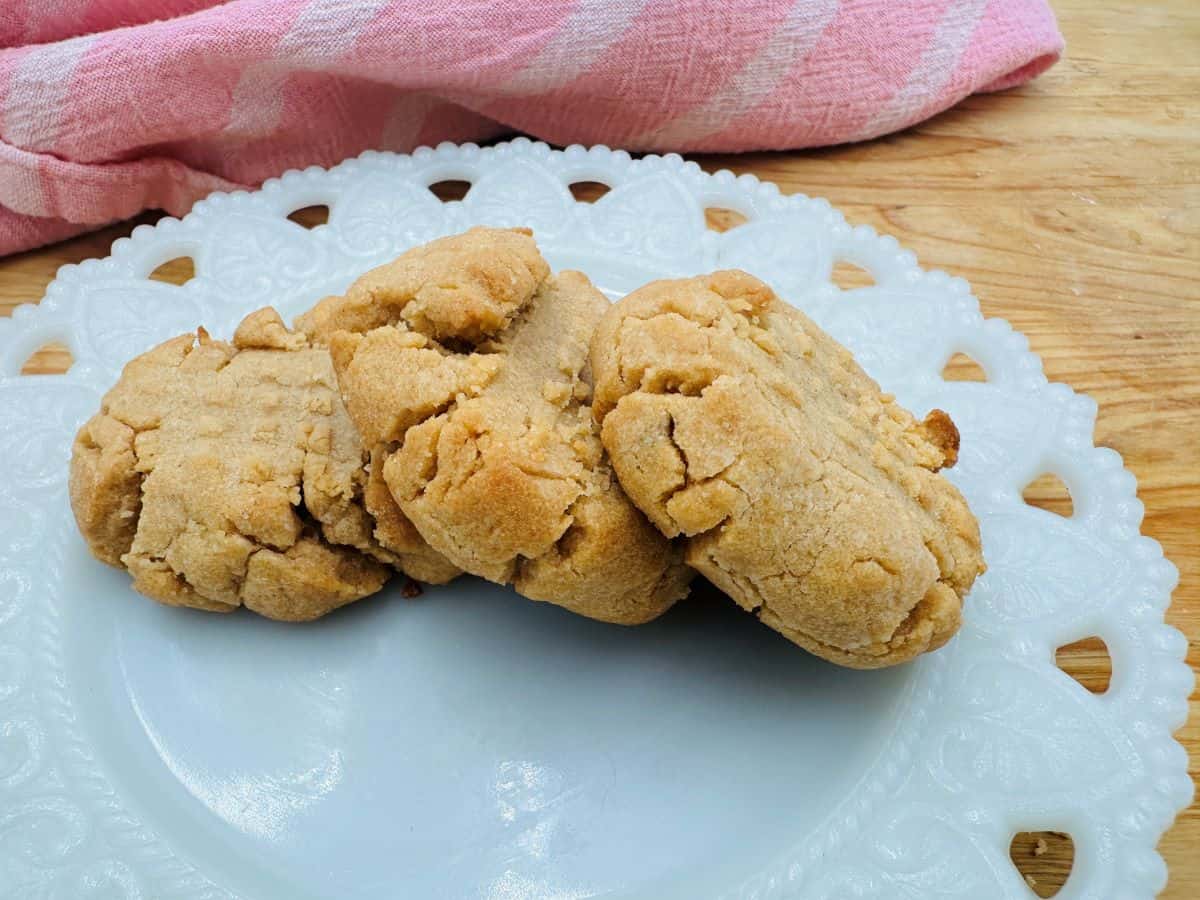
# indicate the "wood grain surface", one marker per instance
pixel 1072 206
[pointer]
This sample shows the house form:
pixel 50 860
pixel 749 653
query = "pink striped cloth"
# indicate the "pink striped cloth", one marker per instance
pixel 109 107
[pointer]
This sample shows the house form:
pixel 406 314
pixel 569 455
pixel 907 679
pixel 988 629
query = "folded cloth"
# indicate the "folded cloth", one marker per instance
pixel 109 107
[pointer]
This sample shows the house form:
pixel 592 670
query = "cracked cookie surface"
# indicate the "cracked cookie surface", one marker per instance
pixel 803 491
pixel 224 475
pixel 478 403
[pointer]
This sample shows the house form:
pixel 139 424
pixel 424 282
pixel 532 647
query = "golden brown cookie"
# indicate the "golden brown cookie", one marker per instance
pixel 805 493
pixel 478 402
pixel 465 287
pixel 224 475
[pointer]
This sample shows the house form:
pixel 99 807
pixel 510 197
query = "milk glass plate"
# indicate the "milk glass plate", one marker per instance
pixel 471 744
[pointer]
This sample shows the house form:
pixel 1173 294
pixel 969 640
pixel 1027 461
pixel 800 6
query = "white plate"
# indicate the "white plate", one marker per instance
pixel 472 744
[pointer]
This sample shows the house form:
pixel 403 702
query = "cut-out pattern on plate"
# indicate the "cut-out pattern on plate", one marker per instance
pixel 179 270
pixel 962 367
pixel 53 358
pixel 450 189
pixel 1088 662
pixel 588 191
pixel 1049 492
pixel 310 216
pixel 1044 859
pixel 850 276
pixel 720 219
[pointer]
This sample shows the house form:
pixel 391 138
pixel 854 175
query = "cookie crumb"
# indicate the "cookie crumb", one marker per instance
pixel 1031 881
pixel 556 392
pixel 1040 848
pixel 412 589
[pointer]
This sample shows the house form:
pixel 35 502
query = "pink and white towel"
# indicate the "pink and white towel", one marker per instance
pixel 109 107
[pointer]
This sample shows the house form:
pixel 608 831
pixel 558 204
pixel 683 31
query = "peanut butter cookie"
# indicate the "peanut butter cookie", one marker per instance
pixel 224 475
pixel 464 366
pixel 805 493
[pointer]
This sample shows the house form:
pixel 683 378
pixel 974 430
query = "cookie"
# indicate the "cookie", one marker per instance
pixel 802 490
pixel 224 475
pixel 477 400
pixel 465 287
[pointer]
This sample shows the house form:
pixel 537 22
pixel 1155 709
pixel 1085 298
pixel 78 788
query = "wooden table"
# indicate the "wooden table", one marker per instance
pixel 1073 207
